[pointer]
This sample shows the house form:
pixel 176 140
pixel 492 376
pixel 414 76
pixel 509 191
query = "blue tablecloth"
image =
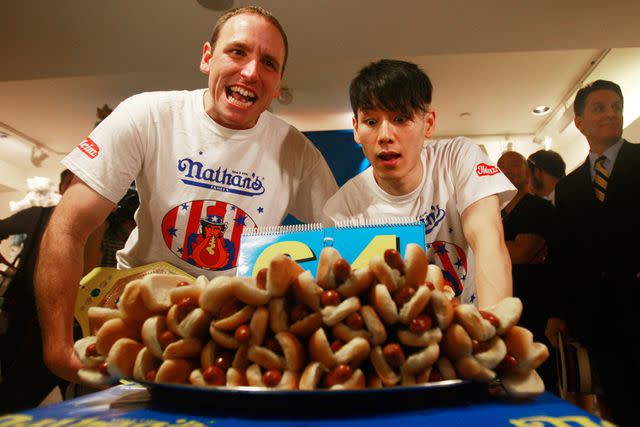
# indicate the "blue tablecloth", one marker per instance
pixel 98 409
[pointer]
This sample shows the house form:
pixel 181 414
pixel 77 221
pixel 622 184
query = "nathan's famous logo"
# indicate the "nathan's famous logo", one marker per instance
pixel 220 179
pixel 485 169
pixel 89 148
pixel 432 218
pixel 206 233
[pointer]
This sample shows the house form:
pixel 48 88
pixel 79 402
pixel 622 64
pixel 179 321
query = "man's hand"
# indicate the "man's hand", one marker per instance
pixel 63 362
pixel 555 325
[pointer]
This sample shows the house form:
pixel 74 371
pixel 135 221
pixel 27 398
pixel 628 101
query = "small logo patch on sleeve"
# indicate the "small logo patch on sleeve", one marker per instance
pixel 483 169
pixel 89 148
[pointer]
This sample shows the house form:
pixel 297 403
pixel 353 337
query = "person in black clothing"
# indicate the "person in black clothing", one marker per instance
pixel 527 221
pixel 546 168
pixel 120 225
pixel 25 379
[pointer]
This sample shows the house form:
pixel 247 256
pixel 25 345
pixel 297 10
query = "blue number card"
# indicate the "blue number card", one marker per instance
pixel 357 242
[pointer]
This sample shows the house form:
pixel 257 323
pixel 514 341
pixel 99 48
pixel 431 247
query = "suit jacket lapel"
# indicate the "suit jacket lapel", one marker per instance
pixel 624 162
pixel 585 190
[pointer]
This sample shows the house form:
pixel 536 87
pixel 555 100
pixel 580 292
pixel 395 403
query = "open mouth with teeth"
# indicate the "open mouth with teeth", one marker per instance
pixel 240 97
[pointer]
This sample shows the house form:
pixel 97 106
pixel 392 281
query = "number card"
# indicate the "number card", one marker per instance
pixel 357 242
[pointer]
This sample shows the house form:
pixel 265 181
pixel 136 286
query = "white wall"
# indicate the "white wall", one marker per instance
pixel 632 132
pixel 496 145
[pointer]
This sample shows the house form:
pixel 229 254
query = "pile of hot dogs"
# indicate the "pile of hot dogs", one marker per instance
pixel 392 323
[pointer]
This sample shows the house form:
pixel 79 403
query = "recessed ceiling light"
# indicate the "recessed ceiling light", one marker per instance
pixel 540 110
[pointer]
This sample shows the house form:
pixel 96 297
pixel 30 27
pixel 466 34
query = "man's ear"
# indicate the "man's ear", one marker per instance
pixel 577 120
pixel 279 88
pixel 354 122
pixel 430 123
pixel 207 52
pixel 276 94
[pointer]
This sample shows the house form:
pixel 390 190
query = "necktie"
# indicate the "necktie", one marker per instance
pixel 601 179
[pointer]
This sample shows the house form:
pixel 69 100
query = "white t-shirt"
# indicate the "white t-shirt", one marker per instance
pixel 457 174
pixel 199 184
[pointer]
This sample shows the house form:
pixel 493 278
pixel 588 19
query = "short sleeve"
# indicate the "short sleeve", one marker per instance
pixel 476 177
pixel 109 159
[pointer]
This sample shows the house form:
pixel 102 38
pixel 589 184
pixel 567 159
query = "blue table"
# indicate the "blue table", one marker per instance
pixel 98 410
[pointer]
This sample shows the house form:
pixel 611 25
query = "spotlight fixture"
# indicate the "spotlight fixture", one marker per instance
pixel 38 155
pixel 540 110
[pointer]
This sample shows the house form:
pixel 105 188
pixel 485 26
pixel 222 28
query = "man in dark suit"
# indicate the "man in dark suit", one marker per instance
pixel 597 251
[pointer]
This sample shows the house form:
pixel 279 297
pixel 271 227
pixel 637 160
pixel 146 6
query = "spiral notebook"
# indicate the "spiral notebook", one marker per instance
pixel 357 241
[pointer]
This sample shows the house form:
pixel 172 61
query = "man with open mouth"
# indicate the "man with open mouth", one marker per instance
pixel 451 185
pixel 212 154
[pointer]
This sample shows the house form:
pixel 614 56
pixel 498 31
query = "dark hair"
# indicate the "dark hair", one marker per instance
pixel 548 161
pixel 64 174
pixel 250 10
pixel 581 96
pixel 391 85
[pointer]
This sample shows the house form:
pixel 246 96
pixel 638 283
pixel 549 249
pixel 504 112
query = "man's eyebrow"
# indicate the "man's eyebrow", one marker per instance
pixel 236 45
pixel 244 46
pixel 272 59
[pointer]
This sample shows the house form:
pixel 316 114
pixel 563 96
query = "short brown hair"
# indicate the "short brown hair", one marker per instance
pixel 250 10
pixel 581 97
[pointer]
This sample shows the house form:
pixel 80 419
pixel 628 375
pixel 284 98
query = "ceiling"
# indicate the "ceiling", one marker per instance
pixel 491 61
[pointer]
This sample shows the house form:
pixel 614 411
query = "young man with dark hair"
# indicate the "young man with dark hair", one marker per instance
pixel 596 253
pixel 211 154
pixel 450 184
